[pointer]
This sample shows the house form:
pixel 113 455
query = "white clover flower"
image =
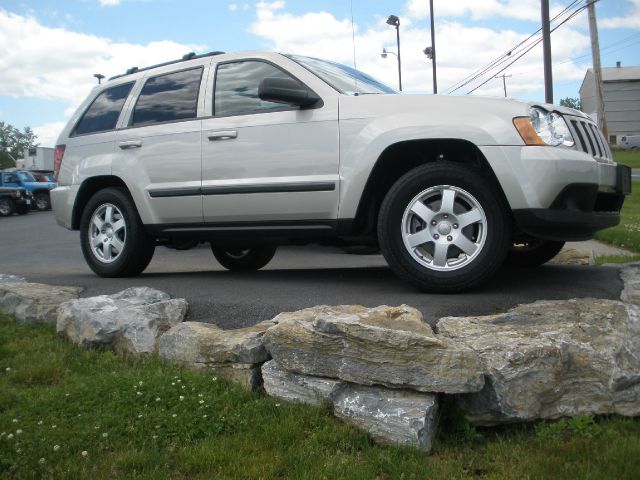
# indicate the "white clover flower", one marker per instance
pixel 173 384
pixel 174 415
pixel 204 416
pixel 41 461
pixel 179 381
pixel 154 436
pixel 18 432
pixel 10 436
pixel 139 393
pixel 97 427
pixel 200 395
pixel 140 382
pixel 140 416
pixel 277 404
pixel 79 414
pixel 157 399
pixel 183 387
pixel 84 453
pixel 53 426
pixel 15 420
pixel 56 448
pixel 18 450
pixel 66 394
pixel 105 435
pixel 201 402
pixel 8 369
pixel 181 397
pixel 40 422
pixel 3 434
pixel 215 379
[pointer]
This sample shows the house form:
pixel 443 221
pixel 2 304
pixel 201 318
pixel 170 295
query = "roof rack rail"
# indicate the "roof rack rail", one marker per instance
pixel 188 56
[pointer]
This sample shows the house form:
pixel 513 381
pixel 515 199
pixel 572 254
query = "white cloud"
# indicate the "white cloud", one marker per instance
pixel 232 7
pixel 631 19
pixel 48 133
pixel 476 9
pixel 461 49
pixel 109 3
pixel 54 63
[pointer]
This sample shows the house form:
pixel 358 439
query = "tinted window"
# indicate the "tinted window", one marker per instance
pixel 237 87
pixel 103 113
pixel 168 98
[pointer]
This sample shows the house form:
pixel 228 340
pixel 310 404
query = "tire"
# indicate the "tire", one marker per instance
pixel 244 259
pixel 443 227
pixel 22 209
pixel 42 201
pixel 121 248
pixel 7 207
pixel 532 252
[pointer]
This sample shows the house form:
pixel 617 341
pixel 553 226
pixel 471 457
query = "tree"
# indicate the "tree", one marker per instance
pixel 571 103
pixel 13 142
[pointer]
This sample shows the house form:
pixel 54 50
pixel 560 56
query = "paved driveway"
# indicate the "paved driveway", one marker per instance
pixel 35 247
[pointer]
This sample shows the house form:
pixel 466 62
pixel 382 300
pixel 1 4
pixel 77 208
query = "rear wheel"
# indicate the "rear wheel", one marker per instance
pixel 443 227
pixel 7 207
pixel 112 236
pixel 42 201
pixel 532 252
pixel 243 258
pixel 22 209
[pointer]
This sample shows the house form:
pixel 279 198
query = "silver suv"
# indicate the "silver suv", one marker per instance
pixel 254 150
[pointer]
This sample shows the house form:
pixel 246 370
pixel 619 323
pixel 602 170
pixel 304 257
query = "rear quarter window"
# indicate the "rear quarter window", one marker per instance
pixel 103 113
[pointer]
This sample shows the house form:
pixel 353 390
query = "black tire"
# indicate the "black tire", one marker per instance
pixel 137 250
pixel 243 259
pixel 7 207
pixel 487 239
pixel 22 209
pixel 532 252
pixel 42 201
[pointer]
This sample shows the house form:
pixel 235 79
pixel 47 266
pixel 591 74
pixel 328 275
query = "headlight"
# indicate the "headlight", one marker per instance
pixel 544 128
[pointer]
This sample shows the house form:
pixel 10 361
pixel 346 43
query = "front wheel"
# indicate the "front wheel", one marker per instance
pixel 42 201
pixel 443 227
pixel 112 236
pixel 532 252
pixel 7 207
pixel 243 258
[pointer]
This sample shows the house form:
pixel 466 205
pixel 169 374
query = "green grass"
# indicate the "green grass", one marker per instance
pixel 627 157
pixel 604 259
pixel 96 402
pixel 627 233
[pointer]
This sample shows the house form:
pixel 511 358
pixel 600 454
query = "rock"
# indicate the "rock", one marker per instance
pixel 551 359
pixel 630 276
pixel 297 388
pixel 131 321
pixel 6 278
pixel 233 354
pixel 574 256
pixel 389 346
pixel 401 417
pixel 34 303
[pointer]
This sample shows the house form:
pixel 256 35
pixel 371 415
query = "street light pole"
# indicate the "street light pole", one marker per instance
pixel 433 49
pixel 395 22
pixel 546 50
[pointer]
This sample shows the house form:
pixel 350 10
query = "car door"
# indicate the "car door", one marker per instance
pixel 264 161
pixel 159 148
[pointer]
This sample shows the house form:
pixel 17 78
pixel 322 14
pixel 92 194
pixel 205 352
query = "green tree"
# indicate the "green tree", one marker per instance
pixel 13 142
pixel 571 103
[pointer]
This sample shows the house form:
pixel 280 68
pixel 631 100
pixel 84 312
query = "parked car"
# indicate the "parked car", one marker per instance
pixel 43 177
pixel 24 179
pixel 629 142
pixel 14 200
pixel 254 150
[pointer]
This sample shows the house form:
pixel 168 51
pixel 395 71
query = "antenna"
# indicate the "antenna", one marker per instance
pixel 353 37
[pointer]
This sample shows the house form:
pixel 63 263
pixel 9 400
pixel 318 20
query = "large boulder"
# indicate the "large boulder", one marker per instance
pixel 551 359
pixel 233 354
pixel 131 321
pixel 7 278
pixel 389 346
pixel 402 417
pixel 630 276
pixel 34 303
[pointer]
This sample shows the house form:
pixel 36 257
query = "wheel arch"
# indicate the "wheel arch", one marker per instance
pixel 401 157
pixel 87 189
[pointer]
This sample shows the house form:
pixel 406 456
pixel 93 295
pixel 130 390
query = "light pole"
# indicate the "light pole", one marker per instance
pixel 395 22
pixel 430 52
pixel 384 54
pixel 99 76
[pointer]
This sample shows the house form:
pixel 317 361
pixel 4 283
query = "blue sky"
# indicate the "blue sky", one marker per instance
pixel 50 49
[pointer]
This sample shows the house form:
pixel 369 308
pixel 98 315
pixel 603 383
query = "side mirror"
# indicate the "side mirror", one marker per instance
pixel 287 90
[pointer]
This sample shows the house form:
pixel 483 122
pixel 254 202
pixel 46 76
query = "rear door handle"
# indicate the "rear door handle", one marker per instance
pixel 130 144
pixel 222 135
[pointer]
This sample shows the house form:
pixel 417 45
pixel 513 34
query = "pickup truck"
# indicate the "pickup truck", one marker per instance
pixel 14 200
pixel 24 179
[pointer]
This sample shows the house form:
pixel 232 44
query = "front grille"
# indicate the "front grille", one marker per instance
pixel 590 140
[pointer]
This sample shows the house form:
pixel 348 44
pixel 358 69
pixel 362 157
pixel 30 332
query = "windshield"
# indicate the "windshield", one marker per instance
pixel 344 79
pixel 26 177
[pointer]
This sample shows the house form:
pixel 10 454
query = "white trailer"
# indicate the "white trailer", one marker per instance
pixel 38 158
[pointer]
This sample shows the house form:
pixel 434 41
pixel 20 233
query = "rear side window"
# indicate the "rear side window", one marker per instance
pixel 103 113
pixel 169 97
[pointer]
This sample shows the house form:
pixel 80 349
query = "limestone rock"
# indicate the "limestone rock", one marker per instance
pixel 131 321
pixel 630 276
pixel 401 417
pixel 232 354
pixel 33 303
pixel 389 346
pixel 553 358
pixel 6 278
pixel 297 388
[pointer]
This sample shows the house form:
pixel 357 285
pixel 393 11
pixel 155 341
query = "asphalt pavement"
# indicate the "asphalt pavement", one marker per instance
pixel 35 247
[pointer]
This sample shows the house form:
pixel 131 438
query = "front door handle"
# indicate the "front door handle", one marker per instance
pixel 130 144
pixel 223 135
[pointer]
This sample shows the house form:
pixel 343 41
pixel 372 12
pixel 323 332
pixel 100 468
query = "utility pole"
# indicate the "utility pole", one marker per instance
pixel 433 47
pixel 546 49
pixel 504 82
pixel 597 71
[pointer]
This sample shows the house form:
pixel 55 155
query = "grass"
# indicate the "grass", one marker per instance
pixel 627 233
pixel 69 413
pixel 630 158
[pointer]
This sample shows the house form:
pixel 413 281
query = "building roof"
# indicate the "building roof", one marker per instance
pixel 616 74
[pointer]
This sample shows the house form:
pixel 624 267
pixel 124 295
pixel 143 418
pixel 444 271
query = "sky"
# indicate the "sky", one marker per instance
pixel 49 50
